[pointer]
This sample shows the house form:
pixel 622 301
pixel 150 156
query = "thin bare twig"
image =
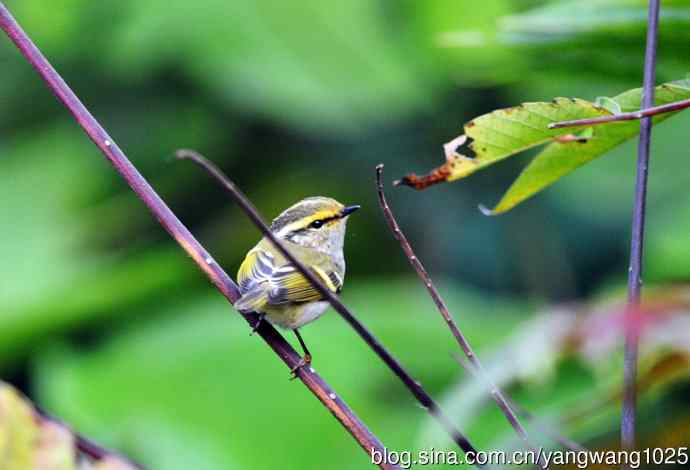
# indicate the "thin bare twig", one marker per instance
pixel 632 116
pixel 365 438
pixel 548 431
pixel 628 416
pixel 443 310
pixel 412 385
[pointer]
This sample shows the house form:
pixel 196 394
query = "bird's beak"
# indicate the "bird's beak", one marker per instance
pixel 348 210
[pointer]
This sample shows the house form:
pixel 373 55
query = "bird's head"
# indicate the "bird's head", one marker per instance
pixel 315 222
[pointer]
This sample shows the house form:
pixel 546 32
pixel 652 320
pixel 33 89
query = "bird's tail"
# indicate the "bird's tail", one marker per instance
pixel 253 300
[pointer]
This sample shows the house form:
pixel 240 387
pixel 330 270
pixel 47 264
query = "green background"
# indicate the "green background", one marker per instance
pixel 106 323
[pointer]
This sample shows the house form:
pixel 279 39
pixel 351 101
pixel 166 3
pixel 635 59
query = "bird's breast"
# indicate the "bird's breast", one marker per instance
pixel 296 315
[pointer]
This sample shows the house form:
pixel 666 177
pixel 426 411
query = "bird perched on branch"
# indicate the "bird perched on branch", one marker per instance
pixel 313 230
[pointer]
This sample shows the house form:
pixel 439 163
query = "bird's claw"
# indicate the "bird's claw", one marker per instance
pixel 305 361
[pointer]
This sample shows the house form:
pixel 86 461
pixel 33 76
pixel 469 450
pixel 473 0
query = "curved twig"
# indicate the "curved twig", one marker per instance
pixel 412 385
pixel 443 310
pixel 547 430
pixel 366 439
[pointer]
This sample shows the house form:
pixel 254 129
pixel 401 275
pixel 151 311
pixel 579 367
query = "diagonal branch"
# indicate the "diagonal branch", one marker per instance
pixel 365 438
pixel 443 310
pixel 412 385
pixel 628 417
pixel 632 116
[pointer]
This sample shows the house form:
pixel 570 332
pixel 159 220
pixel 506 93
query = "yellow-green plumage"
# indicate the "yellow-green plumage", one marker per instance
pixel 313 230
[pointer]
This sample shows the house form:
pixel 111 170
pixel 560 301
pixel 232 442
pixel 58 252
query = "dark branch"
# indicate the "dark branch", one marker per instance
pixel 366 439
pixel 443 310
pixel 412 385
pixel 628 418
pixel 632 116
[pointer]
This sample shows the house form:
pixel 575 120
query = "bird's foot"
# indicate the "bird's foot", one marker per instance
pixel 305 361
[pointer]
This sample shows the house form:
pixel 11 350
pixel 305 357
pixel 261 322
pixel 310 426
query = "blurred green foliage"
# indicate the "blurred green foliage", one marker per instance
pixel 105 322
pixel 30 440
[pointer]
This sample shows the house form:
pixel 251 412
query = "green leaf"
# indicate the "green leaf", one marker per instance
pixel 559 159
pixel 507 132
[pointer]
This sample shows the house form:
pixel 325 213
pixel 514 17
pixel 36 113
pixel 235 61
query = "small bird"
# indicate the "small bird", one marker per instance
pixel 313 230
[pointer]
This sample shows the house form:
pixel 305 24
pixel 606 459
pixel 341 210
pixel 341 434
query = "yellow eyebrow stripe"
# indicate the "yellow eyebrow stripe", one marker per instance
pixel 325 214
pixel 304 222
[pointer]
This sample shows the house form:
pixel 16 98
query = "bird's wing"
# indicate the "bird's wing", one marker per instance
pixel 289 285
pixel 253 278
pixel 265 280
pixel 257 268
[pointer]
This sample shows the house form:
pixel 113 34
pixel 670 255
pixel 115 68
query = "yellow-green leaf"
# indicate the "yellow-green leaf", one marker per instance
pixel 112 463
pixel 18 432
pixel 54 449
pixel 507 132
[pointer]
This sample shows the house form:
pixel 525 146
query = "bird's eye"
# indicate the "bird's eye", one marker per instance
pixel 316 224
